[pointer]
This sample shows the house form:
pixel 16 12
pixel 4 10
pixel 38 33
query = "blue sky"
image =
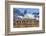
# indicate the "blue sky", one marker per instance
pixel 29 10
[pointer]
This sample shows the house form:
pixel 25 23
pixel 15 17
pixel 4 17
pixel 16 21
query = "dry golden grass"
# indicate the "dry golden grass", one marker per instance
pixel 26 23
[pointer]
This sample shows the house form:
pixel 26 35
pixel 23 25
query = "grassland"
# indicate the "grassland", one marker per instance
pixel 26 23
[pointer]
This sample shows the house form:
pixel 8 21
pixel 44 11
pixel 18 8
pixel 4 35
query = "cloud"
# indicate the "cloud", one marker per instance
pixel 27 16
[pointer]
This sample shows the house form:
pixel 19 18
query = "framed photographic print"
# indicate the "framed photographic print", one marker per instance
pixel 25 17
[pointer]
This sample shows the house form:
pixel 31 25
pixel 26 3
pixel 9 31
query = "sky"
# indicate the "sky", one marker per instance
pixel 29 10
